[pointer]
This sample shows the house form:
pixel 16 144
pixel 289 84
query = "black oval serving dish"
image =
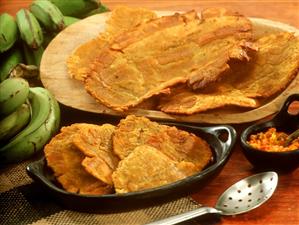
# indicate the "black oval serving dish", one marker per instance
pixel 39 172
pixel 282 121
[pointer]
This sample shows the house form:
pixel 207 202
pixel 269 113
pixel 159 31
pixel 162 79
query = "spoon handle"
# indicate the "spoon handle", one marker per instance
pixel 291 137
pixel 185 216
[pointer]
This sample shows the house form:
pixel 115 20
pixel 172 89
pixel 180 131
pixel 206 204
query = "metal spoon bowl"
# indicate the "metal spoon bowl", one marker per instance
pixel 243 196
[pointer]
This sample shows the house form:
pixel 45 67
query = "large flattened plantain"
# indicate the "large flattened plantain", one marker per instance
pixel 178 145
pixel 122 19
pixel 270 70
pixel 152 57
pixel 144 168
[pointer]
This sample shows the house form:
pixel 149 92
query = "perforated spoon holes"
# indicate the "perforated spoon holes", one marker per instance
pixel 241 197
pixel 247 194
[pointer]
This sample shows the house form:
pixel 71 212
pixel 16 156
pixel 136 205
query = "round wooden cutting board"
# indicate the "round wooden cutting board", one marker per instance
pixel 70 92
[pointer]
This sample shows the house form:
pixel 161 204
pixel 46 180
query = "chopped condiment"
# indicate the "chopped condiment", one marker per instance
pixel 272 141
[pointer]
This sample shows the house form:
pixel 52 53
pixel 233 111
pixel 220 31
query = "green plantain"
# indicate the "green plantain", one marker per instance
pixel 48 15
pixel 11 58
pixel 29 28
pixel 44 124
pixel 68 20
pixel 8 32
pixel 14 122
pixel 101 9
pixel 33 56
pixel 76 8
pixel 13 93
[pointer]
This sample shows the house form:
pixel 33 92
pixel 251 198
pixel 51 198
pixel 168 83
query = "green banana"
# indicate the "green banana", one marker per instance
pixel 76 7
pixel 44 123
pixel 10 59
pixel 101 9
pixel 48 15
pixel 29 28
pixel 68 20
pixel 33 56
pixel 13 93
pixel 8 32
pixel 14 122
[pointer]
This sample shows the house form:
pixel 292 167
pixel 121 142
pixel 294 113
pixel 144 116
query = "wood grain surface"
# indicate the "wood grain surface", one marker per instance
pixel 283 207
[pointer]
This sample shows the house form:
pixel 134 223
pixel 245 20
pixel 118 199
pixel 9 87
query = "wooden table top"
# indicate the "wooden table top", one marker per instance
pixel 283 207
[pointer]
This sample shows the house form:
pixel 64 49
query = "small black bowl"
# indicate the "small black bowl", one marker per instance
pixel 220 138
pixel 282 121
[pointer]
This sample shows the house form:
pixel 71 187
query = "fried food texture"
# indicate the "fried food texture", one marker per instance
pixel 269 71
pixel 122 19
pixel 137 154
pixel 274 66
pixel 145 167
pixel 65 159
pixel 78 62
pixel 183 100
pixel 150 58
pixel 95 142
pixel 178 145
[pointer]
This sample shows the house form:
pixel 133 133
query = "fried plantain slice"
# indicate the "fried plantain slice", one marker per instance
pixel 273 67
pixel 95 142
pixel 182 48
pixel 122 18
pixel 145 167
pixel 78 62
pixel 65 159
pixel 270 70
pixel 183 100
pixel 178 145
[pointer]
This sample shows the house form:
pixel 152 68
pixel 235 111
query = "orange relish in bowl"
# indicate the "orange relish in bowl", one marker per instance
pixel 272 141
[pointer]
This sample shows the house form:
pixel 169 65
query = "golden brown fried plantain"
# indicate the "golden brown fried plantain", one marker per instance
pixel 271 69
pixel 150 58
pixel 178 145
pixel 122 18
pixel 65 160
pixel 145 167
pixel 183 100
pixel 95 142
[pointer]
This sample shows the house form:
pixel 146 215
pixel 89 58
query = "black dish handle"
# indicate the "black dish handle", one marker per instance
pixel 230 139
pixel 216 131
pixel 36 170
pixel 283 114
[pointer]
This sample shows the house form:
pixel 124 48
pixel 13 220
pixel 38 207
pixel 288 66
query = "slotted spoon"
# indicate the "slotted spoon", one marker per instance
pixel 241 197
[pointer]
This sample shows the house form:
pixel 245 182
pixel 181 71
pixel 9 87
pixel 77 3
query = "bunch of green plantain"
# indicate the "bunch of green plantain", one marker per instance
pixel 29 117
pixel 23 39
